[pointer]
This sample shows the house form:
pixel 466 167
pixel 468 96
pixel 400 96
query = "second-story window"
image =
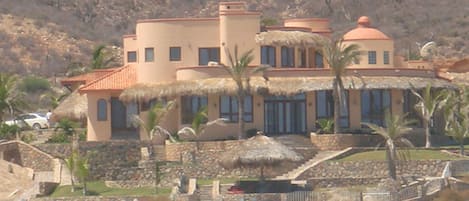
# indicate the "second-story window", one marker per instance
pixel 318 60
pixel 386 57
pixel 371 57
pixel 149 54
pixel 208 54
pixel 288 57
pixel 131 56
pixel 301 57
pixel 268 55
pixel 175 53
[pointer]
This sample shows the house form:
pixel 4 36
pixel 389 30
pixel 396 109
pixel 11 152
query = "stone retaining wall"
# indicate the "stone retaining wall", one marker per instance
pixel 263 196
pixel 26 155
pixel 343 141
pixel 340 182
pixel 372 169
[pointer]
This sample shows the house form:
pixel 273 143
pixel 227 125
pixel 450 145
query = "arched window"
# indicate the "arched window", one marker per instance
pixel 102 110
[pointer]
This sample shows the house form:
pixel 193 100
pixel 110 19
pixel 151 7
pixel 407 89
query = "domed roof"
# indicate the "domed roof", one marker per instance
pixel 364 31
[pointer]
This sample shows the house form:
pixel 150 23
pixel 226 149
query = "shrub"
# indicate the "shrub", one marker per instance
pixel 325 126
pixel 34 84
pixel 59 138
pixel 28 137
pixel 8 132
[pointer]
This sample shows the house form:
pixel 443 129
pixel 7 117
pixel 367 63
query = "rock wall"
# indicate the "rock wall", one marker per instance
pixel 26 155
pixel 98 198
pixel 343 141
pixel 373 169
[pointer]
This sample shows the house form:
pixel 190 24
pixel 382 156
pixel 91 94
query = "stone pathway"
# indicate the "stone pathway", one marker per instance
pixel 320 157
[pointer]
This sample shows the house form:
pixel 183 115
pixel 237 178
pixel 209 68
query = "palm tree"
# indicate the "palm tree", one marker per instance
pixel 339 56
pixel 154 117
pixel 100 58
pixel 71 164
pixel 396 127
pixel 428 103
pixel 82 170
pixel 239 71
pixel 10 99
pixel 198 125
pixel 53 100
pixel 456 111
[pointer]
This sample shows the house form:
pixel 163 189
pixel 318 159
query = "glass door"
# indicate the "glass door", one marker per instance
pixel 285 115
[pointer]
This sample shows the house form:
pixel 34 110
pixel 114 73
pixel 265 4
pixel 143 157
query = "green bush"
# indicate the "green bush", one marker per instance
pixel 28 137
pixel 251 132
pixel 59 138
pixel 34 84
pixel 326 126
pixel 8 132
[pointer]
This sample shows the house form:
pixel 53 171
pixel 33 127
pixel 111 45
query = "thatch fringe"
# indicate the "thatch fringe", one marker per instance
pixel 74 107
pixel 289 38
pixel 274 86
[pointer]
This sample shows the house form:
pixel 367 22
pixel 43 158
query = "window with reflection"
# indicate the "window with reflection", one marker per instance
pixel 288 56
pixel 374 104
pixel 175 53
pixel 325 107
pixel 131 56
pixel 301 57
pixel 149 54
pixel 268 55
pixel 208 54
pixel 229 108
pixel 386 57
pixel 190 105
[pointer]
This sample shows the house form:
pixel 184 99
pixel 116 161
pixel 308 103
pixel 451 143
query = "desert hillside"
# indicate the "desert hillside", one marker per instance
pixel 45 36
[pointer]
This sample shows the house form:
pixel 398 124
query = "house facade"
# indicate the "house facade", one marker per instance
pixel 179 59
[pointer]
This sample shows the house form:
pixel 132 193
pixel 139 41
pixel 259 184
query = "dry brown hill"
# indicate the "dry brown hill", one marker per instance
pixel 44 36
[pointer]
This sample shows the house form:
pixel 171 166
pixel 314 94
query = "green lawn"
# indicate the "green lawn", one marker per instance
pixel 224 180
pixel 99 188
pixel 414 155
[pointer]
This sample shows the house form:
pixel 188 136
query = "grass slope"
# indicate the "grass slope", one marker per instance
pixel 414 155
pixel 99 188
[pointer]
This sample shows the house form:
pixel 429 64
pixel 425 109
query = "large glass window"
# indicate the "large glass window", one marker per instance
pixel 386 57
pixel 208 54
pixel 318 60
pixel 175 53
pixel 325 107
pixel 102 110
pixel 374 103
pixel 190 105
pixel 288 56
pixel 149 54
pixel 371 57
pixel 229 108
pixel 131 56
pixel 408 105
pixel 268 55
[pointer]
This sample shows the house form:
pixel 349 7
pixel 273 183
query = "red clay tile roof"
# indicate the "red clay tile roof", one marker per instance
pixel 86 78
pixel 119 79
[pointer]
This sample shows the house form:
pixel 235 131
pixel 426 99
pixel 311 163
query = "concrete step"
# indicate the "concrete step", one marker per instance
pixel 205 193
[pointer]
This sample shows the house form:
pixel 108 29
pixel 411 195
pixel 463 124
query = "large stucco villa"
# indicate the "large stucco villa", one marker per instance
pixel 178 59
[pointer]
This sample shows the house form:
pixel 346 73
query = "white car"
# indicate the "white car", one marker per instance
pixel 34 120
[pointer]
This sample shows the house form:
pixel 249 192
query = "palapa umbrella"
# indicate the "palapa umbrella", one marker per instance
pixel 258 151
pixel 74 107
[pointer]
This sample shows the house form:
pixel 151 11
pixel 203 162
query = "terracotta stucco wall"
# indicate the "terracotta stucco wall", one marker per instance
pixel 98 130
pixel 374 45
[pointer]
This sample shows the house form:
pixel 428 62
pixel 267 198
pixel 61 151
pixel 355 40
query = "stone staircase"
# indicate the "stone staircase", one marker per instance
pixel 205 193
pixel 320 157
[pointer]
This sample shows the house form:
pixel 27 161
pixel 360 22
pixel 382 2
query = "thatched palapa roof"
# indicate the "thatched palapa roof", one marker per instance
pixel 289 38
pixel 274 86
pixel 74 106
pixel 258 151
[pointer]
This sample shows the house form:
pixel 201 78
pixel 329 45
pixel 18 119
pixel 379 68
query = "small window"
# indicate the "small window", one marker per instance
pixel 190 105
pixel 318 60
pixel 386 57
pixel 149 54
pixel 175 53
pixel 302 58
pixel 102 110
pixel 208 54
pixel 131 56
pixel 268 55
pixel 288 56
pixel 371 57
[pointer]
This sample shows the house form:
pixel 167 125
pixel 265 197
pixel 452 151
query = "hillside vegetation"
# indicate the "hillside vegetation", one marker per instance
pixel 45 36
